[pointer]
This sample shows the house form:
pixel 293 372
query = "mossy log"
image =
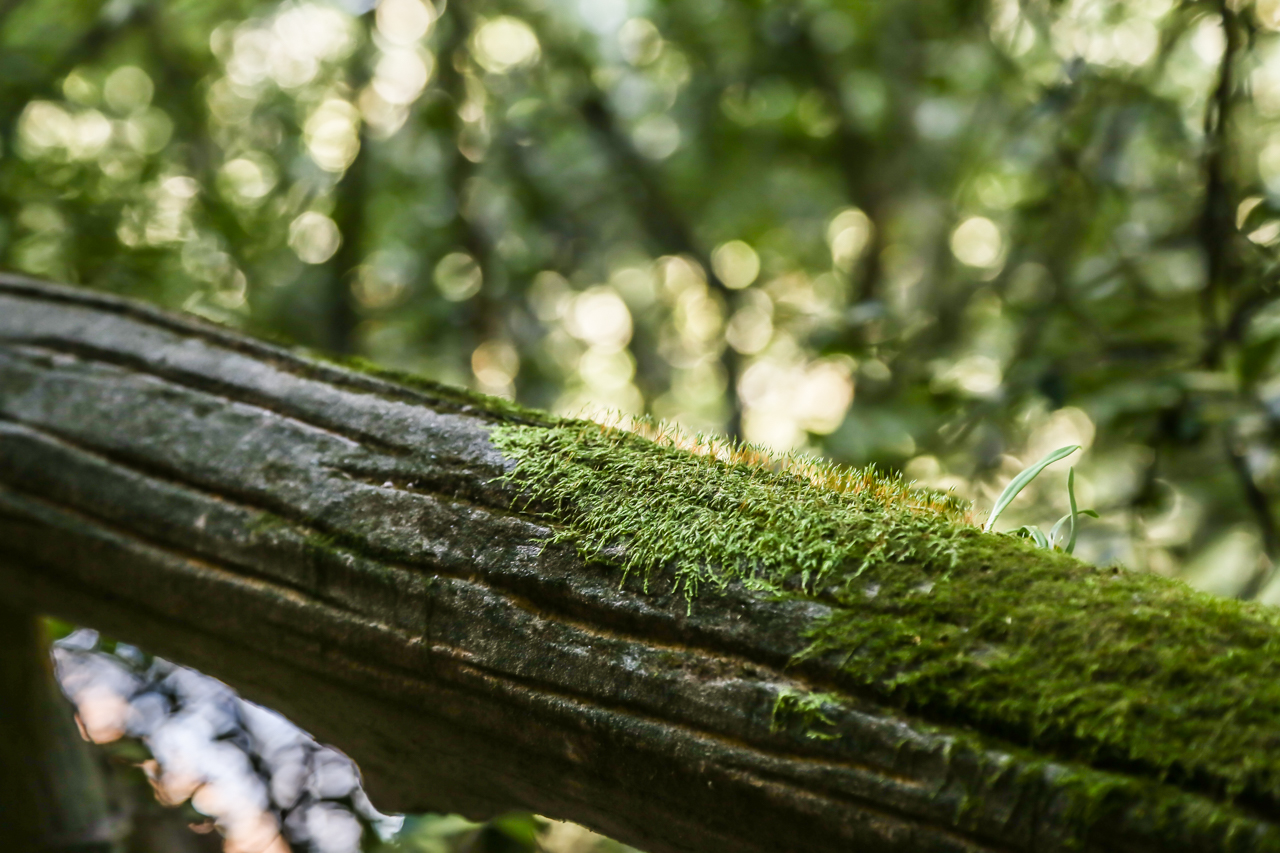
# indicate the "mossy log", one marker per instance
pixel 362 553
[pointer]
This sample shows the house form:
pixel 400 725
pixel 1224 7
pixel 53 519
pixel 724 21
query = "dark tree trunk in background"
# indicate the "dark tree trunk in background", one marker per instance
pixel 52 796
pixel 336 546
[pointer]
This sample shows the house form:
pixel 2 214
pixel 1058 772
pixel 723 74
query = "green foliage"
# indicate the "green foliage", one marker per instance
pixel 925 611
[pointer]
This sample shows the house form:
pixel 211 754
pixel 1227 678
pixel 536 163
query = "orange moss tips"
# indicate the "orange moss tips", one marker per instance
pixel 888 490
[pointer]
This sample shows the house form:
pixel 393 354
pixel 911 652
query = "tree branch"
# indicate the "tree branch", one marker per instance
pixel 1217 218
pixel 350 199
pixel 342 548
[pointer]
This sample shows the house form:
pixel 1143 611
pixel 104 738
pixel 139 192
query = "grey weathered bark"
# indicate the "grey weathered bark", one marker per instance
pixel 336 546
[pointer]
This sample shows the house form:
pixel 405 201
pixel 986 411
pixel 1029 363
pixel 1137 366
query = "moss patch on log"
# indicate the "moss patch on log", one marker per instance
pixel 1121 670
pixel 806 709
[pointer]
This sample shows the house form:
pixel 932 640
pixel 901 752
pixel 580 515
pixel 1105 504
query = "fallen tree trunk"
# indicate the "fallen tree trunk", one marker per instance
pixel 354 552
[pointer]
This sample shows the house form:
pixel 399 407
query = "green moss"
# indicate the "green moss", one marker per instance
pixel 266 522
pixel 806 709
pixel 716 523
pixel 1121 670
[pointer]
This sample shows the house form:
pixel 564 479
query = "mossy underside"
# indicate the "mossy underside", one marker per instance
pixel 1118 669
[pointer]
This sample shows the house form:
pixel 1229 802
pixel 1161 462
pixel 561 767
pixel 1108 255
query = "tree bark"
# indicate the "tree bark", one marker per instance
pixel 337 546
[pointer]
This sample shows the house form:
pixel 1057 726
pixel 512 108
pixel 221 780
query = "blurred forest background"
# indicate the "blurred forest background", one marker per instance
pixel 940 236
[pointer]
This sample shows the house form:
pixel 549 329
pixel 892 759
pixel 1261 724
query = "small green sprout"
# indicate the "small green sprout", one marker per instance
pixel 1018 483
pixel 1030 531
pixel 1070 518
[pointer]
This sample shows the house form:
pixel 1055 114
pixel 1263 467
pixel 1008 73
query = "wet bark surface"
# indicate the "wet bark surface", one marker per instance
pixel 339 547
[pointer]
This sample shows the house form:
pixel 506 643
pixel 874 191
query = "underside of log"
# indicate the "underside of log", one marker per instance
pixel 367 557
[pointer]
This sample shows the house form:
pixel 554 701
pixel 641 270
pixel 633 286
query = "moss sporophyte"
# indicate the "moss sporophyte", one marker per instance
pixel 926 611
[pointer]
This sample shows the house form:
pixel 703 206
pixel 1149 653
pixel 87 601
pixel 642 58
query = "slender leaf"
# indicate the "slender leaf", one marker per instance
pixel 1071 516
pixel 1057 527
pixel 1018 483
pixel 1071 496
pixel 1035 534
pixel 1071 493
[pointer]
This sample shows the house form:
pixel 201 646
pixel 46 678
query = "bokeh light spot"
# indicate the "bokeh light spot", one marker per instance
pixel 246 180
pixel 848 235
pixel 458 277
pixel 333 135
pixel 657 136
pixel 600 318
pixel 495 365
pixel 404 21
pixel 128 89
pixel 314 237
pixel 505 43
pixel 735 263
pixel 401 76
pixel 640 41
pixel 976 242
